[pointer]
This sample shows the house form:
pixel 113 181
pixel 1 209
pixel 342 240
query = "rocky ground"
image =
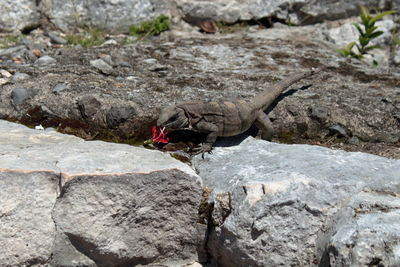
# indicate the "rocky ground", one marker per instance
pixel 114 92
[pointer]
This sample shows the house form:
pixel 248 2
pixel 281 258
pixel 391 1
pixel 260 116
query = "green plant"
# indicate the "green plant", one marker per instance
pixel 87 37
pixel 367 32
pixel 8 40
pixel 151 28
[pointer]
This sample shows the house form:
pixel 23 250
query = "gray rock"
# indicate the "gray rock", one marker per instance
pixel 59 88
pixel 101 66
pixel 118 115
pixel 20 76
pixel 347 33
pixel 141 227
pixel 18 15
pixel 303 205
pixel 12 51
pixel 339 130
pixel 368 233
pixel 119 204
pixel 110 15
pixel 45 60
pixel 27 229
pixel 55 38
pixel 20 95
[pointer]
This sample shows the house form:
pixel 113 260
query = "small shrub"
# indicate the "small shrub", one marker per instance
pixel 367 32
pixel 151 28
pixel 87 37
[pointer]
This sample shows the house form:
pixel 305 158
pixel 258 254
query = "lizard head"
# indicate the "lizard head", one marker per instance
pixel 173 118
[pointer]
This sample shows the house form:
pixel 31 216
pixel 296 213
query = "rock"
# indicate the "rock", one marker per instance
pixel 110 15
pixel 55 38
pixel 298 12
pixel 346 33
pixel 118 204
pixel 26 227
pixel 5 73
pixel 118 115
pixel 59 88
pixel 339 130
pixel 109 42
pixel 307 206
pixel 20 95
pixel 101 66
pixel 367 225
pixel 44 61
pixel 13 51
pixel 20 76
pixel 18 15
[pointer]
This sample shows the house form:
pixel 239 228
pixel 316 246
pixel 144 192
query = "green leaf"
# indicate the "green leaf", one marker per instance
pixel 375 34
pixel 371 47
pixel 343 52
pixel 381 15
pixel 370 30
pixel 364 14
pixel 363 41
pixel 349 46
pixel 358 27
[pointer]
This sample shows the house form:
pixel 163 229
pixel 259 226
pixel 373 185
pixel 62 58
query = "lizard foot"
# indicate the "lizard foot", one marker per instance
pixel 204 148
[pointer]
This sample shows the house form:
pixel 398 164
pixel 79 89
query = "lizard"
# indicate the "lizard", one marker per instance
pixel 226 117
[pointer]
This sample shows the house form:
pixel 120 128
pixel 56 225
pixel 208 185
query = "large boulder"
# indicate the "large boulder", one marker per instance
pixel 301 205
pixel 18 15
pixel 70 202
pixel 299 12
pixel 110 15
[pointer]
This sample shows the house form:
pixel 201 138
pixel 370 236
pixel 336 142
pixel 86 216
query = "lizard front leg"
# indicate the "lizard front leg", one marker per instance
pixel 265 125
pixel 212 130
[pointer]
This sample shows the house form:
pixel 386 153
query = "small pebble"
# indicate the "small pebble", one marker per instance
pixel 45 60
pixel 19 95
pixel 5 74
pixel 102 66
pixel 59 87
pixel 19 76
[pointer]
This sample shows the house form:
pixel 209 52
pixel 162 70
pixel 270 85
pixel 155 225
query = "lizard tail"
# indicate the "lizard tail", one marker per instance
pixel 265 98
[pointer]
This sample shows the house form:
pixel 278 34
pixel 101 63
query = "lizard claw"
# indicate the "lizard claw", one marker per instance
pixel 204 148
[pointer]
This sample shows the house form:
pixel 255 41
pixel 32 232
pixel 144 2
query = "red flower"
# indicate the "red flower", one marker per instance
pixel 160 135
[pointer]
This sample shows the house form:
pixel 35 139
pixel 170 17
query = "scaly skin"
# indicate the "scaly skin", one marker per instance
pixel 226 118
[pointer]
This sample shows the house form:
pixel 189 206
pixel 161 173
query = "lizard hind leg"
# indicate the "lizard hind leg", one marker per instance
pixel 264 124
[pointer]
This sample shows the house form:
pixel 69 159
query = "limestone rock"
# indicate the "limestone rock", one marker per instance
pixel 111 15
pixel 110 203
pixel 18 15
pixel 303 205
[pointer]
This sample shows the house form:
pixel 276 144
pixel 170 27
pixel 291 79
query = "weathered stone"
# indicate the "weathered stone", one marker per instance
pixel 27 229
pixel 59 88
pixel 119 204
pixel 56 39
pixel 12 51
pixel 117 115
pixel 101 66
pixel 111 15
pixel 19 95
pixel 45 60
pixel 19 76
pixel 303 205
pixel 18 15
pixel 141 224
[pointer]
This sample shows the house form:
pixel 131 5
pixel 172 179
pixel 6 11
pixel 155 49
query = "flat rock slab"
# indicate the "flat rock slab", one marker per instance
pixel 93 203
pixel 302 205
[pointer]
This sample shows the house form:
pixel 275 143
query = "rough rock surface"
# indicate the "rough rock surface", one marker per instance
pixel 146 76
pixel 299 12
pixel 118 204
pixel 303 205
pixel 111 15
pixel 18 15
